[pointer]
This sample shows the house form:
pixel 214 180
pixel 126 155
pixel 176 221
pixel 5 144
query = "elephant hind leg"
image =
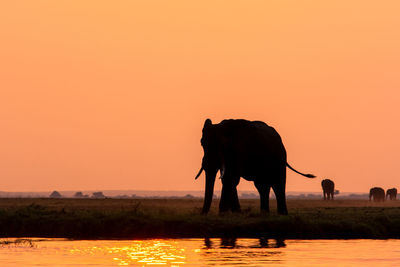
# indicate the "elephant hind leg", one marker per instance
pixel 279 191
pixel 263 190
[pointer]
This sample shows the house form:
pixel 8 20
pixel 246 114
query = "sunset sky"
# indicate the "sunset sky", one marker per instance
pixel 113 94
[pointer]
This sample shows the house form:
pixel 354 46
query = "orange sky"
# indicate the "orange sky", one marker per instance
pixel 113 94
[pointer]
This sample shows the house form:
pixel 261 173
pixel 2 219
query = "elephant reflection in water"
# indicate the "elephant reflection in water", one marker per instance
pixel 279 243
pixel 228 242
pixel 231 242
pixel 244 149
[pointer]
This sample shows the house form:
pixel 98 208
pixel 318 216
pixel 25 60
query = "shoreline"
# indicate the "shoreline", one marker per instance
pixel 137 219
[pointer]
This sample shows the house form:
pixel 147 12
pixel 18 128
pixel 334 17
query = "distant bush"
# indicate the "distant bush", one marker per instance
pixel 98 195
pixel 55 194
pixel 78 195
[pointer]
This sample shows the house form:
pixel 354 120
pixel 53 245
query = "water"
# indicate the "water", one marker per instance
pixel 202 252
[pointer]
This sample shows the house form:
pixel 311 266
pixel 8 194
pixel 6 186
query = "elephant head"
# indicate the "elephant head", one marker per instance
pixel 212 142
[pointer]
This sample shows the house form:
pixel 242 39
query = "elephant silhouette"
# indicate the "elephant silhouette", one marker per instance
pixel 377 194
pixel 391 193
pixel 248 149
pixel 328 188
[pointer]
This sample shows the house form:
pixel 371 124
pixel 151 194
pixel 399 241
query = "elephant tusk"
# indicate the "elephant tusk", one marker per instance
pixel 200 171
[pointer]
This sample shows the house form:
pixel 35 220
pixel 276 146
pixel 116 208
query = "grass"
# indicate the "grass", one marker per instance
pixel 17 242
pixel 175 218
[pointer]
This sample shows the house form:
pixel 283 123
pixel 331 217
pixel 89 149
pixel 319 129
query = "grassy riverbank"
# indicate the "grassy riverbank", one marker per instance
pixel 163 218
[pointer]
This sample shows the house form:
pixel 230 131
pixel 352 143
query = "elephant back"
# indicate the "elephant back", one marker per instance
pixel 253 137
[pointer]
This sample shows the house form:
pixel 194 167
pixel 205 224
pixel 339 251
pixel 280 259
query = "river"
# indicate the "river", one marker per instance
pixel 201 252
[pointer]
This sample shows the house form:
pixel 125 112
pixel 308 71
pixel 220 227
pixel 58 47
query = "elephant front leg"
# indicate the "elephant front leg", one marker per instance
pixel 229 196
pixel 224 203
pixel 235 201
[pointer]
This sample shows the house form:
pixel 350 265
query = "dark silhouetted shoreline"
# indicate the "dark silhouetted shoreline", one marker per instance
pixel 180 218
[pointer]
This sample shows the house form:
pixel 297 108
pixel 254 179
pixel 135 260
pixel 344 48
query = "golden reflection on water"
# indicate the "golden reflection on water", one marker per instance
pixel 191 251
pixel 203 252
pixel 142 252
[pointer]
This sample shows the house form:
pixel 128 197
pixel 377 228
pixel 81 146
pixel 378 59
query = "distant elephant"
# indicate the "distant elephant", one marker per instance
pixel 377 193
pixel 391 193
pixel 328 187
pixel 248 149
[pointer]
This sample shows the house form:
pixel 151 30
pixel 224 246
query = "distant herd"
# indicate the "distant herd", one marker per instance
pixel 375 193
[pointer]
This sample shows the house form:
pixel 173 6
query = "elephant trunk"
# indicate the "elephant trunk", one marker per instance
pixel 209 192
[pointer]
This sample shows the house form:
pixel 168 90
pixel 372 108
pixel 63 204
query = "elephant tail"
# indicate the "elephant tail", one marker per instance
pixel 306 175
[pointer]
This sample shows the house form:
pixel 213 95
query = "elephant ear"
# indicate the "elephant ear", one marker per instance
pixel 207 124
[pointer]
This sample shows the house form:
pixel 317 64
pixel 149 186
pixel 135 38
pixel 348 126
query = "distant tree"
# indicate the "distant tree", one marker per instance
pixel 188 196
pixel 78 195
pixel 55 194
pixel 98 195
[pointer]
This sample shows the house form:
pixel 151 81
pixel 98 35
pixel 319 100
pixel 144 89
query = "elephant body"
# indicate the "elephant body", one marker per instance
pixel 248 149
pixel 377 193
pixel 328 187
pixel 391 193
